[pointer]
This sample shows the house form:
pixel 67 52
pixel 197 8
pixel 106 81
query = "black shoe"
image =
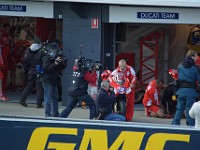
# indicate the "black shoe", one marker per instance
pixel 23 104
pixel 39 106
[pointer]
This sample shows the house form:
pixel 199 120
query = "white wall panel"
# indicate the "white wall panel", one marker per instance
pixel 181 3
pixel 32 9
pixel 129 15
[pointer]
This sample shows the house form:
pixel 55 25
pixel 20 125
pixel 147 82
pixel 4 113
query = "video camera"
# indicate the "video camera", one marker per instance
pixel 54 51
pixel 87 64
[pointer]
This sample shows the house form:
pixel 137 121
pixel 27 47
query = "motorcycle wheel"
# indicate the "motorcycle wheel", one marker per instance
pixel 122 107
pixel 139 97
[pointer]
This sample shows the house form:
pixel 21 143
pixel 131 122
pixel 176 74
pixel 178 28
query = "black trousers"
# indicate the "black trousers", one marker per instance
pixel 33 80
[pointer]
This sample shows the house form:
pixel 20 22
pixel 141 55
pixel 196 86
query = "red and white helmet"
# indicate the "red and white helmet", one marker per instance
pixel 105 74
pixel 173 73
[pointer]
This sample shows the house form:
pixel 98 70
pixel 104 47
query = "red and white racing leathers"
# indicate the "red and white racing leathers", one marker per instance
pixel 129 73
pixel 151 98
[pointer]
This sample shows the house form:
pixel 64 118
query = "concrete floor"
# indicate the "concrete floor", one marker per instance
pixel 12 108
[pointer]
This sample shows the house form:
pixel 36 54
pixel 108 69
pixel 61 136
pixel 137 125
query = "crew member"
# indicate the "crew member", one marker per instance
pixel 129 73
pixel 6 46
pixel 151 100
pixel 2 96
pixel 188 76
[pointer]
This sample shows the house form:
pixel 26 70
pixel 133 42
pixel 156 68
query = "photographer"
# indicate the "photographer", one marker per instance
pixel 105 102
pixel 53 64
pixel 83 73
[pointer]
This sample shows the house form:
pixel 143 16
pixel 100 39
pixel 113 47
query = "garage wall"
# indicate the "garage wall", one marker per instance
pixel 77 31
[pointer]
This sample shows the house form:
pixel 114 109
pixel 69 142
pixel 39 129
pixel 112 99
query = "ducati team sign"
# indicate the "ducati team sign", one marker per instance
pixel 16 8
pixel 157 15
pixel 52 134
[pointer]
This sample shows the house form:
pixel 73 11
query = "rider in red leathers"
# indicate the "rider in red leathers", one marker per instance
pixel 129 73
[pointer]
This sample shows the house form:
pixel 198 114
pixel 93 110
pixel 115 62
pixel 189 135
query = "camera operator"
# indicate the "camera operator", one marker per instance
pixel 105 101
pixel 52 64
pixel 83 73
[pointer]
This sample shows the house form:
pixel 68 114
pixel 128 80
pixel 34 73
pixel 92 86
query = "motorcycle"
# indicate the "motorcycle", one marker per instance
pixel 139 91
pixel 121 87
pixel 168 100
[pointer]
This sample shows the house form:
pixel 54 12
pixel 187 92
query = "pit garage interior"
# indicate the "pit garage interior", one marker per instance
pixel 151 49
pixel 151 45
pixel 23 30
pixel 154 48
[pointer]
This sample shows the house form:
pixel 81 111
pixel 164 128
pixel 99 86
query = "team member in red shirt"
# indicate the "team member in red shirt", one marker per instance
pixel 129 73
pixel 6 45
pixel 2 96
pixel 15 61
pixel 151 100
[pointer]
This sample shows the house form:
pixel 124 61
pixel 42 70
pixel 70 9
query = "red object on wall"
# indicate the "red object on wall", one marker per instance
pixel 130 57
pixel 46 29
pixel 94 23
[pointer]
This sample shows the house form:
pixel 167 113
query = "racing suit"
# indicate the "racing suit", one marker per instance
pixel 151 98
pixel 129 73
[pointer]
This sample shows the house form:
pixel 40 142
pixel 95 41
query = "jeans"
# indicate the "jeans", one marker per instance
pixel 51 100
pixel 114 117
pixel 73 100
pixel 184 102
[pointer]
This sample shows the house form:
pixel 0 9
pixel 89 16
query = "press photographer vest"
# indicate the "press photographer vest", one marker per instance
pixel 78 85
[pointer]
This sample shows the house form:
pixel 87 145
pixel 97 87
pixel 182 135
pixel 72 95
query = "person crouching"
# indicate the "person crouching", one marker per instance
pixel 105 101
pixel 151 100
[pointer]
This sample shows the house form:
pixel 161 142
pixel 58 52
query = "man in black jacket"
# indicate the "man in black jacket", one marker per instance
pixel 78 90
pixel 31 59
pixel 105 101
pixel 52 64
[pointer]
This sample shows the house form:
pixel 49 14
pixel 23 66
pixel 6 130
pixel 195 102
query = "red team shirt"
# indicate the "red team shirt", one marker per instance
pixel 131 75
pixel 128 73
pixel 151 96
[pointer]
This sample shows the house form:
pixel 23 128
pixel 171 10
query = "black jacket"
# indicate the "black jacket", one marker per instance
pixel 31 59
pixel 79 85
pixel 105 100
pixel 52 72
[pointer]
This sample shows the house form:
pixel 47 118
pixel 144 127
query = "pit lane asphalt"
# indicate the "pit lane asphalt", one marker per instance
pixel 12 108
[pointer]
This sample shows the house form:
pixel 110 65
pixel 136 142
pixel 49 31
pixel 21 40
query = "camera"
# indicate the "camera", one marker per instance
pixel 62 61
pixel 54 51
pixel 87 64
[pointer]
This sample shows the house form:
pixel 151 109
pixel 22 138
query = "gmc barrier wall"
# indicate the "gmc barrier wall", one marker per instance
pixel 21 133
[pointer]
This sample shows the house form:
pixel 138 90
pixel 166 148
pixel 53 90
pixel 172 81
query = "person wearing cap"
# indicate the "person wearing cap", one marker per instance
pixel 31 59
pixel 188 77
